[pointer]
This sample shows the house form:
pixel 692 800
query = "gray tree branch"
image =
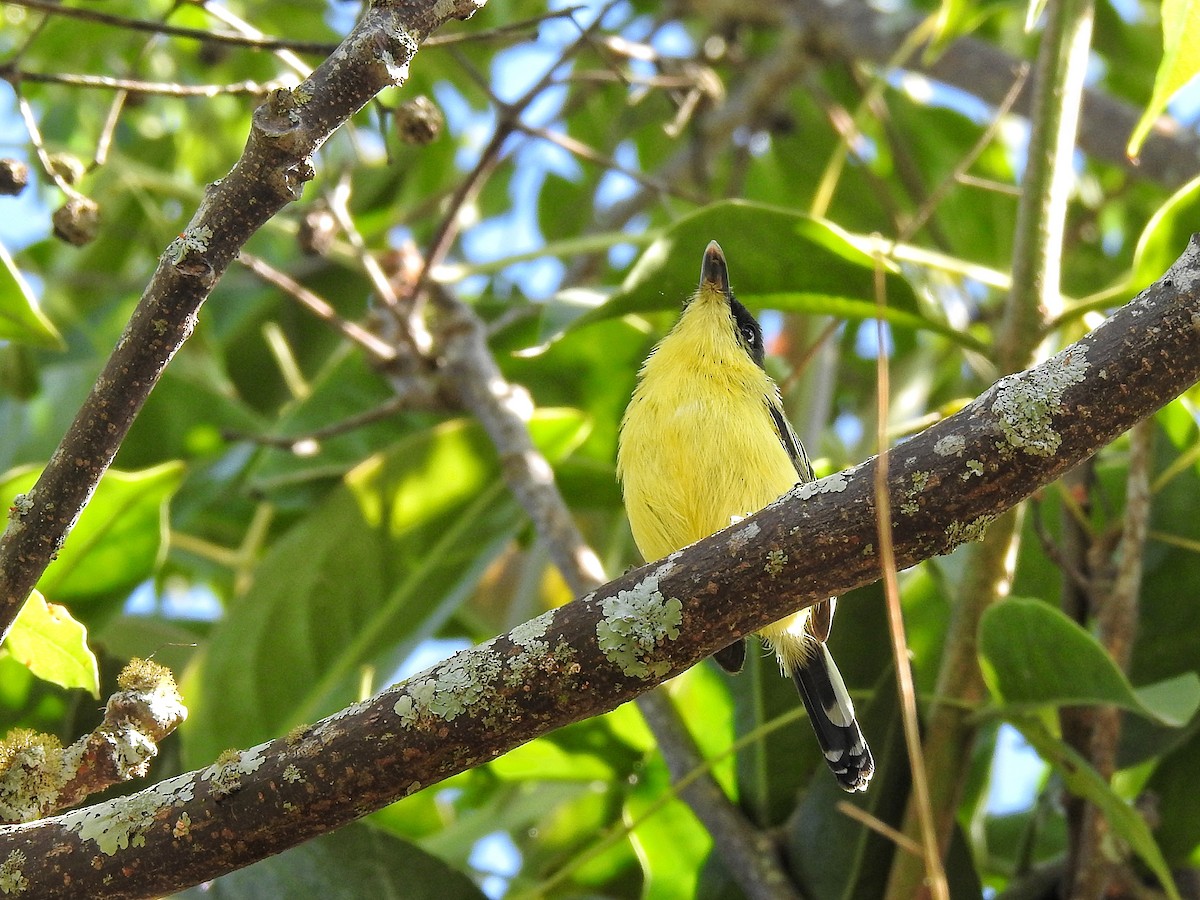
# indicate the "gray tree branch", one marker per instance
pixel 1093 865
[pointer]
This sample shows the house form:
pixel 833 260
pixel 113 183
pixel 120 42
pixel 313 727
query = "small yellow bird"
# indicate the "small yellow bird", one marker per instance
pixel 704 442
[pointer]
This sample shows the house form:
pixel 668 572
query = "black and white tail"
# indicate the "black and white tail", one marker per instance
pixel 832 715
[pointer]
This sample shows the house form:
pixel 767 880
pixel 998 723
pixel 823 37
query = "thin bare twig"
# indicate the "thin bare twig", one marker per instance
pixel 749 102
pixel 509 117
pixel 1093 864
pixel 35 137
pixel 519 28
pixel 956 177
pixel 223 14
pixel 810 352
pixel 104 141
pixel 583 151
pixel 342 426
pixel 1068 566
pixel 660 82
pixel 931 854
pixel 339 205
pixel 989 184
pixel 851 131
pixel 134 86
pixel 319 307
pixel 901 840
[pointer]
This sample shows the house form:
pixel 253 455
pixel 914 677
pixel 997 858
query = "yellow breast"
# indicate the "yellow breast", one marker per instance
pixel 698 447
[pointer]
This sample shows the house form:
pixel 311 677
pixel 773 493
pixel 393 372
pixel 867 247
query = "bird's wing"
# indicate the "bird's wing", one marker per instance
pixel 787 437
pixel 733 657
pixel 820 618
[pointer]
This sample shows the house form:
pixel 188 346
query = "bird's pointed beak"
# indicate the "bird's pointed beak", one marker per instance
pixel 714 274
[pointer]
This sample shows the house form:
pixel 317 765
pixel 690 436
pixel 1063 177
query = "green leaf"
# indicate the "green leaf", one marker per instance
pixel 1034 656
pixel 861 310
pixel 375 568
pixel 53 646
pixel 1164 236
pixel 192 409
pixel 21 319
pixel 588 751
pixel 777 258
pixel 545 760
pixel 1083 781
pixel 770 251
pixel 347 386
pixel 671 843
pixel 1180 63
pixel 116 542
pixel 1174 784
pixel 1173 701
pixel 350 863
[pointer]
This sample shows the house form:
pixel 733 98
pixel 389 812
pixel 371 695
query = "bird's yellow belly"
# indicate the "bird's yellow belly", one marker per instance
pixel 702 463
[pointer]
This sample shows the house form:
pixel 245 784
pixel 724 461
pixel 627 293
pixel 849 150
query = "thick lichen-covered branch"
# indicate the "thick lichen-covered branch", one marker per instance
pixel 572 663
pixel 39 776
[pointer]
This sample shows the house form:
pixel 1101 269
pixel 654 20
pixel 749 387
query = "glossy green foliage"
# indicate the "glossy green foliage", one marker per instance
pixel 354 862
pixel 1034 656
pixel 289 535
pixel 116 542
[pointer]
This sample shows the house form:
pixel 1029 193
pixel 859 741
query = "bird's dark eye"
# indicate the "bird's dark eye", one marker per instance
pixel 750 336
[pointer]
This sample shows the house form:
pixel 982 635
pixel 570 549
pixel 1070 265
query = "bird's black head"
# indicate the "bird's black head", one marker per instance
pixel 714 276
pixel 748 329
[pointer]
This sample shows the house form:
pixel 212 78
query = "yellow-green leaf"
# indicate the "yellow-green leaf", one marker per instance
pixel 1180 63
pixel 53 645
pixel 116 542
pixel 21 320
